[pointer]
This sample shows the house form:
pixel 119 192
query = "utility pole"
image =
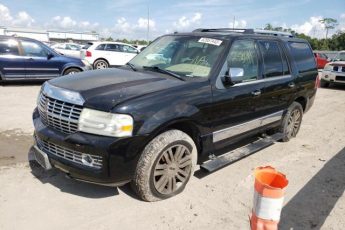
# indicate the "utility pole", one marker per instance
pixel 233 24
pixel 148 24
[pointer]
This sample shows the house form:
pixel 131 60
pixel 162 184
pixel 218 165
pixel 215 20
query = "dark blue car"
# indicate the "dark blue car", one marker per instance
pixel 29 59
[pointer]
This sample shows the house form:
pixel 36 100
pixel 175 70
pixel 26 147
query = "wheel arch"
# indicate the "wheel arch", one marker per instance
pixel 184 125
pixel 98 59
pixel 303 101
pixel 70 67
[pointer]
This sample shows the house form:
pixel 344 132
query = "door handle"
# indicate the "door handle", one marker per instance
pixel 291 85
pixel 256 93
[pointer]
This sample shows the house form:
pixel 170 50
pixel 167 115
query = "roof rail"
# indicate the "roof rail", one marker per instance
pixel 246 31
pixel 236 30
pixel 274 33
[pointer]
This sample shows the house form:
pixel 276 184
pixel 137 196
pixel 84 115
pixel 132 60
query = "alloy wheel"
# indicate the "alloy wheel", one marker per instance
pixel 294 123
pixel 173 169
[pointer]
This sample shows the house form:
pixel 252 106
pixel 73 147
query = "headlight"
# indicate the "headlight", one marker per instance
pixel 328 67
pixel 106 124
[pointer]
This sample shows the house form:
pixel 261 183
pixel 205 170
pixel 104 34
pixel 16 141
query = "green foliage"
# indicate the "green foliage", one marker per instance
pixel 336 42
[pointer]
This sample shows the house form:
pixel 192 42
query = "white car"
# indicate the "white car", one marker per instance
pixel 108 54
pixel 68 49
pixel 334 72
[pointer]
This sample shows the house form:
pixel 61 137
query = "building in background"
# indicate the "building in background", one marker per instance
pixel 50 35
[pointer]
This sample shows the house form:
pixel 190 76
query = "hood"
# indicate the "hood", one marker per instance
pixel 337 63
pixel 104 89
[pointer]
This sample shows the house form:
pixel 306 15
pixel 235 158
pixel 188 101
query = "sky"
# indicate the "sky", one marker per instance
pixel 129 18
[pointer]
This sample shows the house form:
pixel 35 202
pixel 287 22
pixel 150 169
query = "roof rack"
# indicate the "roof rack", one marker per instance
pixel 247 31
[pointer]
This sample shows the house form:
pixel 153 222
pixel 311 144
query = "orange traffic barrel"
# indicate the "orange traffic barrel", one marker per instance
pixel 268 198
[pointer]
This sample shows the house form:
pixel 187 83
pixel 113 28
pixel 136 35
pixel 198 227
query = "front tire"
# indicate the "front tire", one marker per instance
pixel 71 71
pixel 292 121
pixel 165 166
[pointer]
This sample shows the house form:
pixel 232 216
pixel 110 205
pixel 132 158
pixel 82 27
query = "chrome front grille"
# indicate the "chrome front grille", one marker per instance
pixel 60 115
pixel 69 154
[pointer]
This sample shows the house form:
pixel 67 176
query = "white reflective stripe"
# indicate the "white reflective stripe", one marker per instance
pixel 267 208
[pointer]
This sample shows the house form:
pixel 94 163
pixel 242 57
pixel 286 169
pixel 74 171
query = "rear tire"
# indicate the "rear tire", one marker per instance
pixel 292 121
pixel 100 64
pixel 71 71
pixel 324 84
pixel 165 166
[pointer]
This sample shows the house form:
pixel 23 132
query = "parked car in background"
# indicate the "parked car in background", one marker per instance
pixel 321 60
pixel 25 58
pixel 68 49
pixel 140 47
pixel 334 72
pixel 108 54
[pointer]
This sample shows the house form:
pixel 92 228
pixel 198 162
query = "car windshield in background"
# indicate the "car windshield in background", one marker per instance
pixel 340 57
pixel 187 56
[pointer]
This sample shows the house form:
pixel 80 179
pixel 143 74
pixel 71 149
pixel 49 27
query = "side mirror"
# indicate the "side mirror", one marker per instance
pixel 50 56
pixel 233 76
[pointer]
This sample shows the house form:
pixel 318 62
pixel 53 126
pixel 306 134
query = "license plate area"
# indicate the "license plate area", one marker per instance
pixel 42 158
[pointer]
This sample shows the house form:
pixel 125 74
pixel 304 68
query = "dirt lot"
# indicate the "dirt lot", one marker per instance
pixel 314 164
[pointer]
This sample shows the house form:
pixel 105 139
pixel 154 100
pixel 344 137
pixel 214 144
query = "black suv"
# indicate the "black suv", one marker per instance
pixel 29 59
pixel 184 100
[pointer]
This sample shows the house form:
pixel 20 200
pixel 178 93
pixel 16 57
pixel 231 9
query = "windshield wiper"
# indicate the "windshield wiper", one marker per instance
pixel 131 65
pixel 160 70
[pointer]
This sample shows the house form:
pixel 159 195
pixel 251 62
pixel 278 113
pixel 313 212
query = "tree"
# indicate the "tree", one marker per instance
pixel 109 39
pixel 268 26
pixel 329 23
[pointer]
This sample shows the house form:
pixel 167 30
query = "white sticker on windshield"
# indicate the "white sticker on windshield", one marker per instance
pixel 211 41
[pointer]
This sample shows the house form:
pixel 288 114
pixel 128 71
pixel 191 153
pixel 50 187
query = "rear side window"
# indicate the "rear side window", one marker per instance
pixel 113 47
pixel 274 60
pixel 9 47
pixel 100 47
pixel 303 56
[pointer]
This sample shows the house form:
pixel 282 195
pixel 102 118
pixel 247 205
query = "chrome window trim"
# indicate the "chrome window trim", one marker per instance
pixel 269 79
pixel 62 94
pixel 247 126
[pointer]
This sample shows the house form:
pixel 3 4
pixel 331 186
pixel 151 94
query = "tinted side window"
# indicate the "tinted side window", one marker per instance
pixel 243 55
pixel 112 47
pixel 303 56
pixel 9 47
pixel 99 47
pixel 33 49
pixel 274 65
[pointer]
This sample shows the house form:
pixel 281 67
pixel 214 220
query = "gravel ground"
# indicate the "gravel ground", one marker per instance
pixel 314 163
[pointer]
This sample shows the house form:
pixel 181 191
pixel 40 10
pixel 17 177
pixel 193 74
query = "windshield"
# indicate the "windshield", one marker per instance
pixel 340 56
pixel 187 56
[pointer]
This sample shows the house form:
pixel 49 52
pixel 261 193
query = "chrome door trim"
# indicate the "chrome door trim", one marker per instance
pixel 247 126
pixel 42 75
pixel 38 69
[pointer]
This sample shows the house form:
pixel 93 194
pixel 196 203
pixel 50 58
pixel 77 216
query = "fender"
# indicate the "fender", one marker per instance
pixel 167 116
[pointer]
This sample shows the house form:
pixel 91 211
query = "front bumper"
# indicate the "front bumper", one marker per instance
pixel 333 77
pixel 119 155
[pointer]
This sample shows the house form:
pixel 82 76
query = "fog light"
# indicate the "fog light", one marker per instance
pixel 86 159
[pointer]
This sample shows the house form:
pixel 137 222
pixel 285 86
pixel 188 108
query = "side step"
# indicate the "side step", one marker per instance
pixel 236 154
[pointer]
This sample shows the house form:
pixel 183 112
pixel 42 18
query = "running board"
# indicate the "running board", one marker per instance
pixel 236 154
